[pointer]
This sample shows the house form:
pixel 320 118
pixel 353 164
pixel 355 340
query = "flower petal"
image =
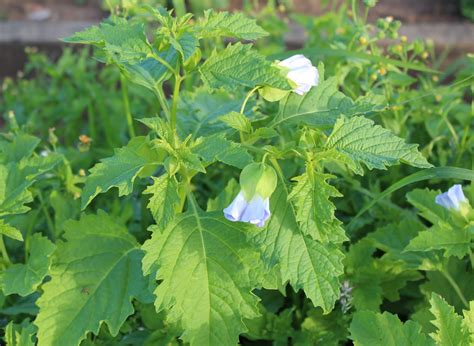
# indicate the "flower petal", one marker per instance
pixel 257 211
pixel 235 210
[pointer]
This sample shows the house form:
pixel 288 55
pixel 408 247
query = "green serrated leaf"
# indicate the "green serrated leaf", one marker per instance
pixel 393 240
pixel 22 146
pixel 238 65
pixel 119 170
pixel 374 329
pixel 454 241
pixel 16 178
pixel 375 147
pixel 23 279
pixel 19 334
pixel 314 209
pixel 209 292
pixel 320 107
pixel 185 44
pixel 450 328
pixel 237 121
pixel 10 231
pixel 164 200
pixel 149 72
pixel 121 40
pixel 90 284
pixel 304 262
pixel 216 24
pixel 218 148
pixel 469 319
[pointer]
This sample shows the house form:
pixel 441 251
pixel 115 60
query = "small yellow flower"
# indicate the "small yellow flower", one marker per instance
pixel 382 71
pixel 403 38
pixel 85 139
pixel 399 48
pixel 425 55
pixel 373 76
pixel 82 172
pixel 363 40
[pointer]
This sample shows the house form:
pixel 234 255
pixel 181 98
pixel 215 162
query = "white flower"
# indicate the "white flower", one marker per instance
pixel 301 72
pixel 256 211
pixel 451 199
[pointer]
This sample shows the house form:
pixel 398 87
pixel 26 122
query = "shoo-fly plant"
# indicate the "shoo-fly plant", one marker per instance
pixel 222 196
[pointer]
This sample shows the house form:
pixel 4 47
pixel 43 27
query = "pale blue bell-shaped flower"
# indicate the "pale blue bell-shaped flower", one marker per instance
pixel 451 199
pixel 256 211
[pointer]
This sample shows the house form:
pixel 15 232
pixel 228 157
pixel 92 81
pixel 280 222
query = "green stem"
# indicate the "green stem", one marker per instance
pixel 174 105
pixel 162 101
pixel 471 257
pixel 455 286
pixel 4 251
pixel 354 11
pixel 242 109
pixel 126 106
pixel 49 221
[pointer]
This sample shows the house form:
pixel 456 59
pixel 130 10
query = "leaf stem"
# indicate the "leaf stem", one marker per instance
pixel 242 109
pixel 126 106
pixel 4 251
pixel 453 283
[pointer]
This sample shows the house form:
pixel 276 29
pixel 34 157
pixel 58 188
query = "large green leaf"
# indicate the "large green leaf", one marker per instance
pixel 226 24
pixel 314 210
pixel 204 267
pixel 374 329
pixel 120 170
pixel 450 328
pixel 363 142
pixel 23 279
pixel 238 65
pixel 218 148
pixel 306 263
pixel 321 106
pixel 164 199
pixel 94 276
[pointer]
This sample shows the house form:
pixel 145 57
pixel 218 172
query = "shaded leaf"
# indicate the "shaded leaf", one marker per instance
pixel 23 279
pixel 90 284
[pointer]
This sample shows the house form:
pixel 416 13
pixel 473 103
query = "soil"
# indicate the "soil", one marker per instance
pixel 58 10
pixel 408 11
